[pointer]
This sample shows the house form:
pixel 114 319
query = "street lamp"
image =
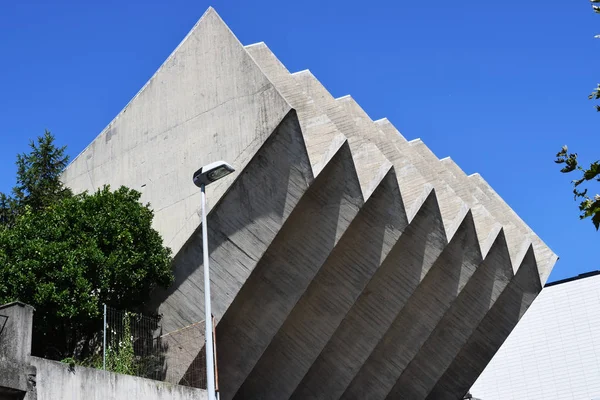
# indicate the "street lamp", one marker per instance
pixel 204 176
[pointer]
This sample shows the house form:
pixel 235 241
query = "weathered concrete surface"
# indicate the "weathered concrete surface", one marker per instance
pixel 207 102
pixel 321 136
pixel 452 207
pixel 240 229
pixel 461 319
pixel 16 324
pixel 283 274
pixel 378 305
pixel 423 310
pixel 16 372
pixel 359 253
pixel 544 256
pixel 57 380
pixel 371 164
pixel 490 333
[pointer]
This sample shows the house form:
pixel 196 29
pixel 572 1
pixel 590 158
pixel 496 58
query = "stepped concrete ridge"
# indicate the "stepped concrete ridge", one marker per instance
pixel 346 261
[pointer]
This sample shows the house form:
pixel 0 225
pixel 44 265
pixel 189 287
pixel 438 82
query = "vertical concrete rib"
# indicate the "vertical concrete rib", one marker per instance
pixel 321 135
pixel 544 256
pixel 371 165
pixel 413 170
pixel 241 228
pixel 440 287
pixel 490 333
pixel 283 274
pixel 487 226
pixel 485 223
pixel 459 322
pixel 334 289
pixel 378 305
pixel 414 185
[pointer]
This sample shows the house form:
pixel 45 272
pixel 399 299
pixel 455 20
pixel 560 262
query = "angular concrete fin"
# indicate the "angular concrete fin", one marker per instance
pixel 366 127
pixel 385 123
pixel 207 99
pixel 320 134
pixel 393 145
pixel 488 212
pixel 452 206
pixel 544 255
pixel 413 185
pixel 241 227
pixel 356 257
pixel 453 167
pixel 371 165
pixel 491 332
pixel 284 272
pixel 419 317
pixel 487 226
pixel 260 50
pixel 367 321
pixel 458 323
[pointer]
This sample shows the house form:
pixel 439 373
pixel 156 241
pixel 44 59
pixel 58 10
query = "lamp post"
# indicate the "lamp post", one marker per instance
pixel 204 176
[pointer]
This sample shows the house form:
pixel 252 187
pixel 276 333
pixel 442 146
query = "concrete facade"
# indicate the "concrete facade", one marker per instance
pixel 346 261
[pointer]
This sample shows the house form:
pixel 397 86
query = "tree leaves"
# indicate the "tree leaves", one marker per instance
pixel 563 157
pixel 68 254
pixel 38 179
pixel 589 207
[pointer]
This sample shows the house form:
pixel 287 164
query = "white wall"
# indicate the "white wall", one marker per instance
pixel 553 352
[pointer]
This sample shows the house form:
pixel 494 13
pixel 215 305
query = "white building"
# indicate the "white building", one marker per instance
pixel 554 351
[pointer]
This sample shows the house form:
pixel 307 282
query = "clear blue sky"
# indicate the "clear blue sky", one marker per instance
pixel 499 87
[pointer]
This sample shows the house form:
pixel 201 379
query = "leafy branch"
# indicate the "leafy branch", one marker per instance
pixel 589 206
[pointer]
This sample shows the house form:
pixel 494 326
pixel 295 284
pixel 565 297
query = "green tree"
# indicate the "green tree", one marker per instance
pixel 38 178
pixel 588 206
pixel 68 254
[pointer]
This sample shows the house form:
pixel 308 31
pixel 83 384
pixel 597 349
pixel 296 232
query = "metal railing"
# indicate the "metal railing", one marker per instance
pixel 134 344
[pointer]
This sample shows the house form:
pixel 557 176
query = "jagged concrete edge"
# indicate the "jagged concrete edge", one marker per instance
pixel 425 223
pixel 277 375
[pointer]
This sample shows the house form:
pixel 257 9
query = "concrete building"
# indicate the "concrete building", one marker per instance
pixel 554 351
pixel 346 261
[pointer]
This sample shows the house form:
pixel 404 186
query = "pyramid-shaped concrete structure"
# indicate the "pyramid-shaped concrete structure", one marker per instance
pixel 346 261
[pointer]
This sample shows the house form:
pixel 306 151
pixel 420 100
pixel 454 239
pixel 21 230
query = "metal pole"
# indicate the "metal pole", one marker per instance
pixel 214 332
pixel 104 342
pixel 210 367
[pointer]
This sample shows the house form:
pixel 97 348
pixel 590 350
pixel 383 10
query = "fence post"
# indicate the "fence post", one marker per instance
pixel 104 341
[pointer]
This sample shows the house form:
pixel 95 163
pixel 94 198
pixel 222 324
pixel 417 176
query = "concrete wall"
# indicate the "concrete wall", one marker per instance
pixel 16 374
pixel 56 380
pixel 25 377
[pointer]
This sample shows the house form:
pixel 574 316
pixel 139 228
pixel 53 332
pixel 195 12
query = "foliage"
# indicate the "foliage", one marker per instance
pixel 120 358
pixel 589 206
pixel 68 254
pixel 38 179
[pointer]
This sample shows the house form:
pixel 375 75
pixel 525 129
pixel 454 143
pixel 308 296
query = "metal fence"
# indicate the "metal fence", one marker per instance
pixel 135 344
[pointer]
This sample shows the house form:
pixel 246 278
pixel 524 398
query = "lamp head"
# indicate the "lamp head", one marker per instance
pixel 212 172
